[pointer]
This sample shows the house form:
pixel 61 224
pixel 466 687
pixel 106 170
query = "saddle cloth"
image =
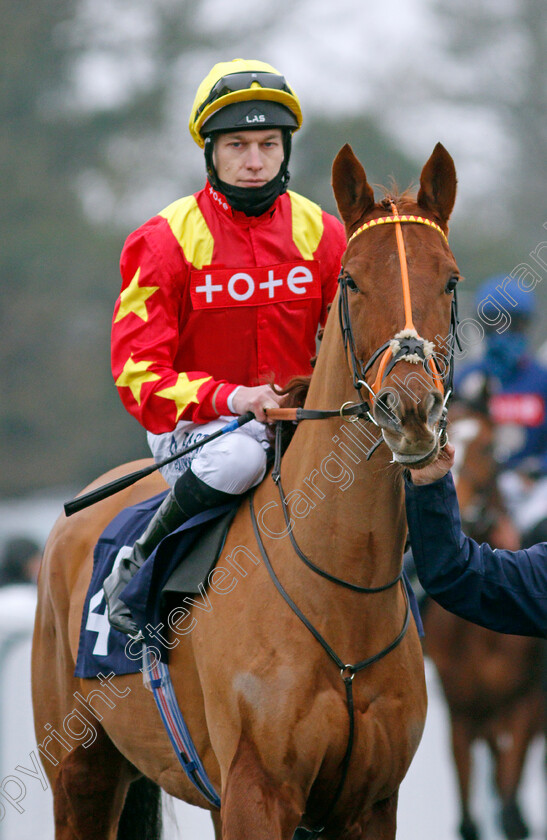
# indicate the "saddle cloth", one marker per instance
pixel 102 649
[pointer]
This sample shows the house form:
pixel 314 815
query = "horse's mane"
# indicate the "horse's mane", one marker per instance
pixel 294 396
pixel 295 392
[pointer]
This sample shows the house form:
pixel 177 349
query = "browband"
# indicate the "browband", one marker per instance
pixel 387 220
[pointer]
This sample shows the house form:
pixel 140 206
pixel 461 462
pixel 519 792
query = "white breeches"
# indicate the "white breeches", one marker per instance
pixel 233 462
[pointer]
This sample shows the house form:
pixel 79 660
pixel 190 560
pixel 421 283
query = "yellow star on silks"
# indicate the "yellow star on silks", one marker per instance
pixel 183 392
pixel 133 299
pixel 134 375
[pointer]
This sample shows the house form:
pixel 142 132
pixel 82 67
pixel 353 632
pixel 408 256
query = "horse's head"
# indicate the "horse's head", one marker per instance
pixel 396 293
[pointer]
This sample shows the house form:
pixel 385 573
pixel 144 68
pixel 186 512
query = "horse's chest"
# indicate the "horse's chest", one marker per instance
pixel 310 720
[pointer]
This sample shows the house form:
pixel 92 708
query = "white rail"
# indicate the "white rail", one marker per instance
pixel 25 796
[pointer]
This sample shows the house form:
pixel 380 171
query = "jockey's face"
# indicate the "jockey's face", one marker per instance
pixel 248 158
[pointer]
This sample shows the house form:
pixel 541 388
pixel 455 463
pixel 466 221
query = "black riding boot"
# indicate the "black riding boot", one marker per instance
pixel 189 496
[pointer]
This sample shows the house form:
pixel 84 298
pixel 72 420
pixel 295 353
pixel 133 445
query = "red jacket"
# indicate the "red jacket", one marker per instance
pixel 212 299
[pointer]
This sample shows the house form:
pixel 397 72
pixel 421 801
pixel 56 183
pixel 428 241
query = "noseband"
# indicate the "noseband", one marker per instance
pixel 407 345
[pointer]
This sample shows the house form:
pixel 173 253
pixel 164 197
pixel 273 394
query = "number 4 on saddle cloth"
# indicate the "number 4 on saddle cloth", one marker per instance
pixel 198 543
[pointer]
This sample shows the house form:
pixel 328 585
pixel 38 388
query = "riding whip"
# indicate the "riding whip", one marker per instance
pixel 118 484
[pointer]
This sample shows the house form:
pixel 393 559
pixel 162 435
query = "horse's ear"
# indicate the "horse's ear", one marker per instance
pixel 354 195
pixel 438 184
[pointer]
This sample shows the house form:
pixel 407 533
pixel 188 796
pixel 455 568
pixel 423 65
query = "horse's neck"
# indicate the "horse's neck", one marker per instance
pixel 348 512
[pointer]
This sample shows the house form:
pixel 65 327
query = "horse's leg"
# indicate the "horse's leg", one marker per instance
pixel 509 750
pixel 508 772
pixel 90 790
pixel 461 750
pixel 253 805
pixel 217 824
pixel 379 824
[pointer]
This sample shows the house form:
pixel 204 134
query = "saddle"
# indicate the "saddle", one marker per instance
pixel 190 576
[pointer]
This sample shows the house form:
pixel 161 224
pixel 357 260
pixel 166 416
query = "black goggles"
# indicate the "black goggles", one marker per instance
pixel 243 81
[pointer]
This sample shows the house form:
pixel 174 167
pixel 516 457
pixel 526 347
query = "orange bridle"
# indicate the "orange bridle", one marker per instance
pixel 409 329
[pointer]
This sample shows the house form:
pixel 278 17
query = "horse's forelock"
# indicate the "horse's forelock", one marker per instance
pixel 402 198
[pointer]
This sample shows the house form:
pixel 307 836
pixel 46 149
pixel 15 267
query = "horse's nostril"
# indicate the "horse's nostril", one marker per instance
pixel 434 406
pixel 387 401
pixel 385 409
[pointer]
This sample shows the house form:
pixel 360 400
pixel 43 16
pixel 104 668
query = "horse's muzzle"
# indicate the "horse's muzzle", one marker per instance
pixel 409 426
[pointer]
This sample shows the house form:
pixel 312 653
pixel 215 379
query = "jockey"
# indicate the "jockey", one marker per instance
pixel 516 387
pixel 222 292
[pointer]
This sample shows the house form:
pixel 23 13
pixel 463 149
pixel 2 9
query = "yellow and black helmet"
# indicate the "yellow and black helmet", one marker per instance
pixel 243 94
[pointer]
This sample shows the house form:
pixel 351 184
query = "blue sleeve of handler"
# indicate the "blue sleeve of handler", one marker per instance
pixel 502 590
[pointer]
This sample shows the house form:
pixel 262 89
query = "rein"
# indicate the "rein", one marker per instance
pixel 276 477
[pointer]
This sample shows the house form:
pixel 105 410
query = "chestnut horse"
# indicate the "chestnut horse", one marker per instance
pixel 269 711
pixel 491 681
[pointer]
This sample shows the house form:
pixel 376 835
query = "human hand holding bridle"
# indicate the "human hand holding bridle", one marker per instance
pixel 255 399
pixel 437 469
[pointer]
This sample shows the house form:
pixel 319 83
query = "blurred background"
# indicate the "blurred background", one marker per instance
pixel 94 104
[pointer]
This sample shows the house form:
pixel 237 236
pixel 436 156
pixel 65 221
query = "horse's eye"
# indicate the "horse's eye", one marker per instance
pixel 452 283
pixel 351 284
